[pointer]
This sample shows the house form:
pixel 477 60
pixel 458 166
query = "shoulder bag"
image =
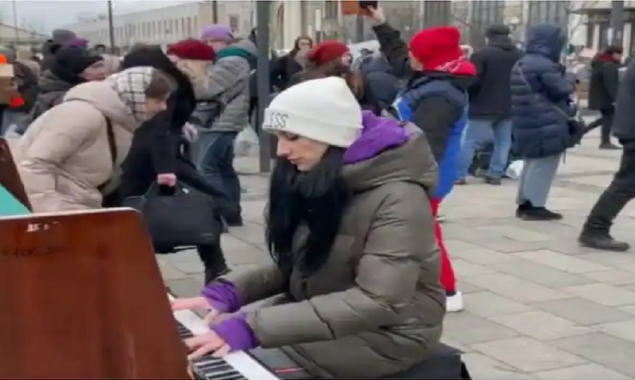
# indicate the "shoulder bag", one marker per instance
pixel 576 126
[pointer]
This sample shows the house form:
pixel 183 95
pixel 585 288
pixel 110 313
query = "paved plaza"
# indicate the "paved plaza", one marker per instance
pixel 537 305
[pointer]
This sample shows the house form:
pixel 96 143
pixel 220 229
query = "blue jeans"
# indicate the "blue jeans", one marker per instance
pixel 216 163
pixel 10 119
pixel 480 132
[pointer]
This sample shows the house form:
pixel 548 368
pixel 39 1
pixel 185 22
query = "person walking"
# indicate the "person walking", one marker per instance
pixel 541 113
pixel 157 152
pixel 596 230
pixel 490 105
pixel 228 85
pixel 603 92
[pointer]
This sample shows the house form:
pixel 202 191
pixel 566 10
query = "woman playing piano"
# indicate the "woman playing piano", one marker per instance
pixel 350 231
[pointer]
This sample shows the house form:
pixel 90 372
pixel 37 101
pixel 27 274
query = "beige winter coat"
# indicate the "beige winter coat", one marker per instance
pixel 64 157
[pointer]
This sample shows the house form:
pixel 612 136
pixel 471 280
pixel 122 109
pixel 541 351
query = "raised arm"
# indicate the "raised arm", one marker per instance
pixel 390 43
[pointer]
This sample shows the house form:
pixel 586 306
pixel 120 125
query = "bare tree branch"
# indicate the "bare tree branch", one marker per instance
pixel 571 9
pixel 460 13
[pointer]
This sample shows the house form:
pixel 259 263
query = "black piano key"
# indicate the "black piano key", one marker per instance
pixel 184 332
pixel 209 368
pixel 216 369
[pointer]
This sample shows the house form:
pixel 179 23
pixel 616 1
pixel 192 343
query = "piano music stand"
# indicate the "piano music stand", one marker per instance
pixel 82 297
pixel 9 176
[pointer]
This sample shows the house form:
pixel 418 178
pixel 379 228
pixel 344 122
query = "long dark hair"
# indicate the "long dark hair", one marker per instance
pixel 316 199
pixel 296 44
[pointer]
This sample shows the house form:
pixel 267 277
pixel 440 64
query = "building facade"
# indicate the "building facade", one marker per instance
pixel 163 26
pixel 10 35
pixel 324 20
pixel 597 15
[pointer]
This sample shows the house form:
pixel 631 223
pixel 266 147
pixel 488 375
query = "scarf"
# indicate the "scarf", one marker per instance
pixel 452 66
pixel 131 85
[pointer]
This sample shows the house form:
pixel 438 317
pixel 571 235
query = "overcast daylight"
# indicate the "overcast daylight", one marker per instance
pixel 46 15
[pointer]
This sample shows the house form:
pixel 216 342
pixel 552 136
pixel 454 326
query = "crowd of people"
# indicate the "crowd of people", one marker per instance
pixel 365 158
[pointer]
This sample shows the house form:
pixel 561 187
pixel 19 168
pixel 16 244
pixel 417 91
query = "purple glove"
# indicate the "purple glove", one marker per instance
pixel 222 296
pixel 237 333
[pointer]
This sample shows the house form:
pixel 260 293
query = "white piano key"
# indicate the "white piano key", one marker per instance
pixel 239 360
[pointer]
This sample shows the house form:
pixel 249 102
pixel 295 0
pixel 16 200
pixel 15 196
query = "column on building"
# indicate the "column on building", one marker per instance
pixel 292 22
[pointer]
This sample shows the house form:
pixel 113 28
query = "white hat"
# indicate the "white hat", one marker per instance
pixel 324 110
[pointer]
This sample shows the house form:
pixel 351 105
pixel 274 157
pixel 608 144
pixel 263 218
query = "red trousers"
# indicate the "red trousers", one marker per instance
pixel 447 272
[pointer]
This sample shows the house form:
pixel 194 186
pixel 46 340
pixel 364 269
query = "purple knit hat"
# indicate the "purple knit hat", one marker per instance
pixel 217 32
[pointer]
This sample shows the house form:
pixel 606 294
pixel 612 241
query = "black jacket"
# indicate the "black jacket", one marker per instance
pixel 157 146
pixel 157 142
pixel 381 80
pixel 623 125
pixel 490 95
pixel 604 82
pixel 282 70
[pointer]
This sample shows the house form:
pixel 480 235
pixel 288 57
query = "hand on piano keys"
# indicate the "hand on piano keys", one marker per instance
pixel 237 365
pixel 208 343
pixel 195 303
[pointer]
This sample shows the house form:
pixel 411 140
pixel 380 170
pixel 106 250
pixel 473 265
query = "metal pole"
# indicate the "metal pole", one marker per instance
pixel 15 21
pixel 111 28
pixel 303 18
pixel 215 11
pixel 359 28
pixel 616 25
pixel 263 10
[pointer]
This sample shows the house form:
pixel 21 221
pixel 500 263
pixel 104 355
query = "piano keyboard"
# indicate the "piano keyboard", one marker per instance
pixel 235 366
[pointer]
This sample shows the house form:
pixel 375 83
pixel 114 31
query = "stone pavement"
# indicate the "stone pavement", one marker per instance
pixel 537 305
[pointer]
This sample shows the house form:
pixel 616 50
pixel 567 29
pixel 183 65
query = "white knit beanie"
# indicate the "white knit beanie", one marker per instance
pixel 323 110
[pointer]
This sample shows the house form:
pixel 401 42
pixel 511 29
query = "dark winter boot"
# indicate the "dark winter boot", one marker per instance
pixel 540 214
pixel 602 241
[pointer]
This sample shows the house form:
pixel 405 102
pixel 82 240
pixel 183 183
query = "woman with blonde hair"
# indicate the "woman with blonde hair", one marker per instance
pixel 193 58
pixel 71 163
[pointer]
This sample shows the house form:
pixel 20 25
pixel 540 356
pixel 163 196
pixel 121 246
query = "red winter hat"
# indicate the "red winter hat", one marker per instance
pixel 192 49
pixel 327 51
pixel 435 47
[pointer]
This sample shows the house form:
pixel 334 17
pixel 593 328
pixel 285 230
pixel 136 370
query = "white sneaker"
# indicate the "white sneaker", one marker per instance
pixel 454 304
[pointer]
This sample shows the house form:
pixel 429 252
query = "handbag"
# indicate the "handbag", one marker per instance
pixel 577 127
pixel 181 218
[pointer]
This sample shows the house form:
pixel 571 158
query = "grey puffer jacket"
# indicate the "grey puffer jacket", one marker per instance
pixel 224 106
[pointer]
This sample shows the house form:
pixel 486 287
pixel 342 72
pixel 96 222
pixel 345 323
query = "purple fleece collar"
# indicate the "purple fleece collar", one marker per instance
pixel 378 135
